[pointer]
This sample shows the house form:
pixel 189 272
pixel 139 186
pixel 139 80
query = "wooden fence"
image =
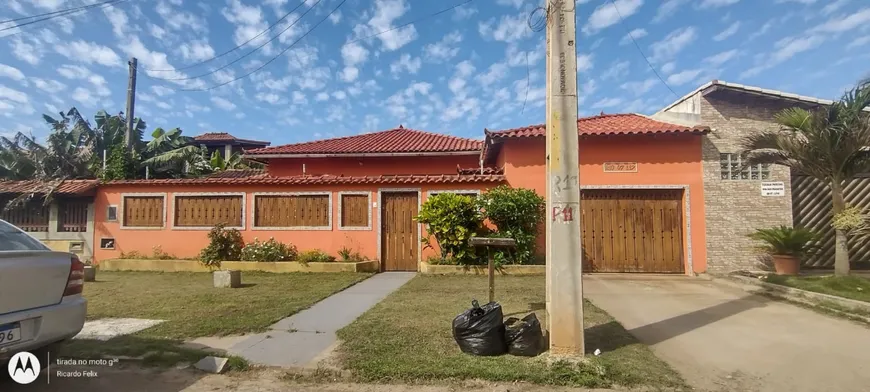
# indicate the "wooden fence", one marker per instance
pixel 811 208
pixel 208 211
pixel 292 211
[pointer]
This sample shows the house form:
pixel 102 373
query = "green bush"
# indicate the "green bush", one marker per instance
pixel 784 240
pixel 120 165
pixel 315 256
pixel 452 219
pixel 270 250
pixel 224 244
pixel 517 213
pixel 349 255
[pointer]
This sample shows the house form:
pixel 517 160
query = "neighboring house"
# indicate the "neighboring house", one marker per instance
pixel 64 224
pixel 733 197
pixel 360 192
pixel 227 144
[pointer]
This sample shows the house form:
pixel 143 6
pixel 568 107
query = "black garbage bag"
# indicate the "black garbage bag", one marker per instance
pixel 480 330
pixel 524 337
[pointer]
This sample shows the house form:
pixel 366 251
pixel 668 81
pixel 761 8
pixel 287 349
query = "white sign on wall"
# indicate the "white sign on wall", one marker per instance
pixel 773 188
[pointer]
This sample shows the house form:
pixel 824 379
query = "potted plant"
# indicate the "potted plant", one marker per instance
pixel 786 245
pixel 223 245
pixel 90 272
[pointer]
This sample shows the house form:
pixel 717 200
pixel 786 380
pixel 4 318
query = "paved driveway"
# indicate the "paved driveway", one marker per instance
pixel 724 339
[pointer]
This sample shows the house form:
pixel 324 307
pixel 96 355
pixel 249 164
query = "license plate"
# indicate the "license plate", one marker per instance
pixel 10 333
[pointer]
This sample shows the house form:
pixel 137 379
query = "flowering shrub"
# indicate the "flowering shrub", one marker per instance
pixel 270 250
pixel 224 244
pixel 315 256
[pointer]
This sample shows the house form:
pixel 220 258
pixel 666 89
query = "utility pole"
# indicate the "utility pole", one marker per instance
pixel 131 101
pixel 564 251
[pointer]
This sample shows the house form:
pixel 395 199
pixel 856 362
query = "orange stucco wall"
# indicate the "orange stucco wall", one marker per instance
pixel 188 243
pixel 372 166
pixel 663 160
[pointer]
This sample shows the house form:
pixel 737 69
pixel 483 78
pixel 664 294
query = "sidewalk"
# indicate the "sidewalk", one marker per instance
pixel 297 340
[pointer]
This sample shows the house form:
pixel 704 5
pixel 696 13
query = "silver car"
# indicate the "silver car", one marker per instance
pixel 40 293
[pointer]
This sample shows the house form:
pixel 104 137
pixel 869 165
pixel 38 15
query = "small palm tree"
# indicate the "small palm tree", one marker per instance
pixel 830 143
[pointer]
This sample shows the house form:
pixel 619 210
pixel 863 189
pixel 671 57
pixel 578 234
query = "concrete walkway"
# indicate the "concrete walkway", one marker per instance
pixel 297 340
pixel 724 339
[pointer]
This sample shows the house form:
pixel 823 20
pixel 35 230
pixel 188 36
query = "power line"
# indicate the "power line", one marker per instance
pixel 276 57
pixel 56 12
pixel 60 14
pixel 622 22
pixel 244 55
pixel 231 50
pixel 318 23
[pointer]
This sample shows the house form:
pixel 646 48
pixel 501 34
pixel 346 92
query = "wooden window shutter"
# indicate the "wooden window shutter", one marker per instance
pixel 292 211
pixel 143 211
pixel 354 210
pixel 208 211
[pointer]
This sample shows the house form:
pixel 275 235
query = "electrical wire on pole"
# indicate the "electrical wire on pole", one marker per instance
pixel 206 61
pixel 58 11
pixel 58 14
pixel 227 65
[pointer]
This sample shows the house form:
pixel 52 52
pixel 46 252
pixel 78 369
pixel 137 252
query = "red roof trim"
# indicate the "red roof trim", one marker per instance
pixel 66 187
pixel 605 124
pixel 318 180
pixel 394 141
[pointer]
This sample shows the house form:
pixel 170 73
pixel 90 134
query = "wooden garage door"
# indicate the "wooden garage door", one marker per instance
pixel 399 237
pixel 632 231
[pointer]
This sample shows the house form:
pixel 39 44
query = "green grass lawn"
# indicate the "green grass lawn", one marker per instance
pixel 407 337
pixel 192 307
pixel 852 287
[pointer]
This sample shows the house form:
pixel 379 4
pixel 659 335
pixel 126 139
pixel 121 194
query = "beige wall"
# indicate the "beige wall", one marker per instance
pixel 80 243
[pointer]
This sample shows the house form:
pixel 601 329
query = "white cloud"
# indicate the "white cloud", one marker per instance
pixel 83 96
pixel 196 50
pixel 463 13
pixel 584 62
pixel 607 103
pixel 807 2
pixel 728 32
pixel 681 78
pixel 119 20
pixel 860 41
pixel 834 6
pixel 616 71
pixel 271 98
pixel 349 74
pixel 609 14
pixel 13 95
pixel 339 95
pixel 50 5
pixel 223 103
pixel 162 91
pixel 672 44
pixel 717 3
pixel 321 96
pixel 786 49
pixel 641 87
pixel 406 63
pixel 669 67
pixel 384 14
pixel 335 17
pixel 157 60
pixel 844 23
pixel 26 52
pixel 457 83
pixel 89 53
pixel 721 58
pixel 443 50
pixel 176 19
pixel 249 22
pixel 668 9
pixel 353 54
pixel 48 85
pixel 636 34
pixel 508 29
pixel 11 72
pixel 494 73
pixel 763 30
pixel 99 85
pixel 510 3
pixel 156 31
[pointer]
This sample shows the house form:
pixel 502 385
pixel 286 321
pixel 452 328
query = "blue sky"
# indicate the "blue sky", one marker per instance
pixel 457 73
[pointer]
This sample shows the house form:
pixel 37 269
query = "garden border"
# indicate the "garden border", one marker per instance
pixel 195 266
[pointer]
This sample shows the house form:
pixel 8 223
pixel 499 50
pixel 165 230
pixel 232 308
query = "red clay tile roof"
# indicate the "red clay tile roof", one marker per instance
pixel 606 124
pixel 318 180
pixel 399 140
pixel 239 173
pixel 67 187
pixel 224 137
pixel 476 170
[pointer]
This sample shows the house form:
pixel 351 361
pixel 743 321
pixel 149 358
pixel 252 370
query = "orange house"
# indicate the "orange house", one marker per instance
pixel 641 183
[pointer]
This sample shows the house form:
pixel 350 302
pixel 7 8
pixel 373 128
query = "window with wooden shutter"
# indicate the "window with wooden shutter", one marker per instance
pixel 72 216
pixel 292 211
pixel 208 210
pixel 31 216
pixel 355 211
pixel 143 211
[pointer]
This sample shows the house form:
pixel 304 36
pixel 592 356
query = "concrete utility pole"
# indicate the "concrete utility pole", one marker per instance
pixel 131 101
pixel 564 251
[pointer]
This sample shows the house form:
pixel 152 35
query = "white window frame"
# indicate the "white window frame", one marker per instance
pixel 124 197
pixel 254 226
pixel 117 212
pixel 175 197
pixel 368 207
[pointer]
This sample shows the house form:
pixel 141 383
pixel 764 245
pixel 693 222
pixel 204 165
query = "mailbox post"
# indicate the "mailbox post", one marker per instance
pixel 488 243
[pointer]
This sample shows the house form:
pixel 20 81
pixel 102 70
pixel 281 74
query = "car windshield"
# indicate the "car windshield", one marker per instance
pixel 13 239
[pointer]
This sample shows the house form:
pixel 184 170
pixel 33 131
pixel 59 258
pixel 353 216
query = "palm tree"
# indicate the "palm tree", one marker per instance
pixel 829 143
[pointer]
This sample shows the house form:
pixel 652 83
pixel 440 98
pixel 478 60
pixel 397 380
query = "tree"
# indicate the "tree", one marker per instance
pixel 170 154
pixel 235 162
pixel 829 143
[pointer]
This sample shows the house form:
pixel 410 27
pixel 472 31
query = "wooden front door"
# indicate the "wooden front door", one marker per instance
pixel 632 231
pixel 399 237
